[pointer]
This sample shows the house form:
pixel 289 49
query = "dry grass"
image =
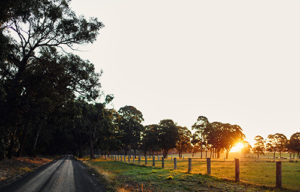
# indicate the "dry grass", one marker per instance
pixel 10 168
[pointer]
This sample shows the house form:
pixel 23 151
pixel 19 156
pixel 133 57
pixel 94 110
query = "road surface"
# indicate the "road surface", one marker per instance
pixel 63 175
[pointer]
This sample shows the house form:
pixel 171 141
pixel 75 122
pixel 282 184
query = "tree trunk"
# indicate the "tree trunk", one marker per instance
pixel 36 140
pixel 201 150
pixel 227 153
pixel 165 153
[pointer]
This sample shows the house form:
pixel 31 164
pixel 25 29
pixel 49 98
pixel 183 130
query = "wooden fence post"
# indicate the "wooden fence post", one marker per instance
pixel 190 165
pixel 133 159
pixel 237 170
pixel 125 158
pixel 208 164
pixel 153 161
pixel 145 159
pixel 162 162
pixel 278 175
pixel 129 157
pixel 175 163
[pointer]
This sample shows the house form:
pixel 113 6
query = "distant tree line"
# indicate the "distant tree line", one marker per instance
pixel 51 101
pixel 278 143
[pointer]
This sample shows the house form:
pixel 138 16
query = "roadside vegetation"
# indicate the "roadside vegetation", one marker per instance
pixel 129 177
pixel 11 169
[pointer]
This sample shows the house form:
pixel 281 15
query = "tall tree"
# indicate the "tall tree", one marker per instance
pixel 168 135
pixel 184 140
pixel 277 143
pixel 150 139
pixel 47 26
pixel 259 147
pixel 294 143
pixel 130 127
pixel 201 126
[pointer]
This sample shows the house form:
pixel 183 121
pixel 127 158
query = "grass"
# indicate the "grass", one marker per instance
pixel 129 177
pixel 11 168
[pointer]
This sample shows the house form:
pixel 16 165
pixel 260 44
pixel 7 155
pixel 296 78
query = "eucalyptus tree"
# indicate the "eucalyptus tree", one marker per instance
pixel 259 147
pixel 294 144
pixel 150 139
pixel 27 68
pixel 201 127
pixel 131 128
pixel 168 135
pixel 276 143
pixel 184 140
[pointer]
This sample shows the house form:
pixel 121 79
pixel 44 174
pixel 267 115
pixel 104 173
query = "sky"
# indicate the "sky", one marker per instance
pixel 236 62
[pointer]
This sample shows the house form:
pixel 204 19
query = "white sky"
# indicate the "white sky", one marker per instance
pixel 232 61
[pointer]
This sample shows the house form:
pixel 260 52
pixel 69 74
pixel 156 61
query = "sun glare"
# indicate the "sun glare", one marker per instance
pixel 237 147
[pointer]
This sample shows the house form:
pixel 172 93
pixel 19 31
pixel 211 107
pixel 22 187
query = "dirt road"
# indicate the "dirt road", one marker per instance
pixel 63 175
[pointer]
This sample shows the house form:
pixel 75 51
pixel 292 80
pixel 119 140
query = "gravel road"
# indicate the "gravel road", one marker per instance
pixel 63 175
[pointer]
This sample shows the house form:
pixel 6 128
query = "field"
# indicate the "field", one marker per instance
pixel 252 171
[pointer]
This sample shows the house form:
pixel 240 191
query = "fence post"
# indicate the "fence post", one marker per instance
pixel 208 164
pixel 175 163
pixel 162 162
pixel 129 157
pixel 237 170
pixel 133 159
pixel 278 174
pixel 145 159
pixel 190 165
pixel 153 161
pixel 125 158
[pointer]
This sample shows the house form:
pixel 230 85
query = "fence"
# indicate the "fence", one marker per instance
pixel 193 165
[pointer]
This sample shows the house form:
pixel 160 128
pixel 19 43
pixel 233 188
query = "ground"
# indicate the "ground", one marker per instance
pixel 129 177
pixel 11 169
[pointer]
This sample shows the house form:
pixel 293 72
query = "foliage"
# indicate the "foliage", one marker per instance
pixel 130 127
pixel 150 141
pixel 168 135
pixel 294 144
pixel 277 143
pixel 259 146
pixel 184 140
pixel 35 78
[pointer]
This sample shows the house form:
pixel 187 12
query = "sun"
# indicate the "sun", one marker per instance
pixel 237 147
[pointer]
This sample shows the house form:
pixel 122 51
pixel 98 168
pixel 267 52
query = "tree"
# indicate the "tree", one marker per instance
pixel 43 28
pixel 168 135
pixel 199 137
pixel 271 144
pixel 196 144
pixel 184 140
pixel 281 143
pixel 294 143
pixel 276 143
pixel 130 127
pixel 150 139
pixel 222 136
pixel 247 148
pixel 259 147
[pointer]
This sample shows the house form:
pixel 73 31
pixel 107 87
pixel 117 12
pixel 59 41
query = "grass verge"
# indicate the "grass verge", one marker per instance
pixel 16 167
pixel 127 177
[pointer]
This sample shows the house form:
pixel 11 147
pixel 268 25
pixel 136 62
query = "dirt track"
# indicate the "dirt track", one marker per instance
pixel 63 175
